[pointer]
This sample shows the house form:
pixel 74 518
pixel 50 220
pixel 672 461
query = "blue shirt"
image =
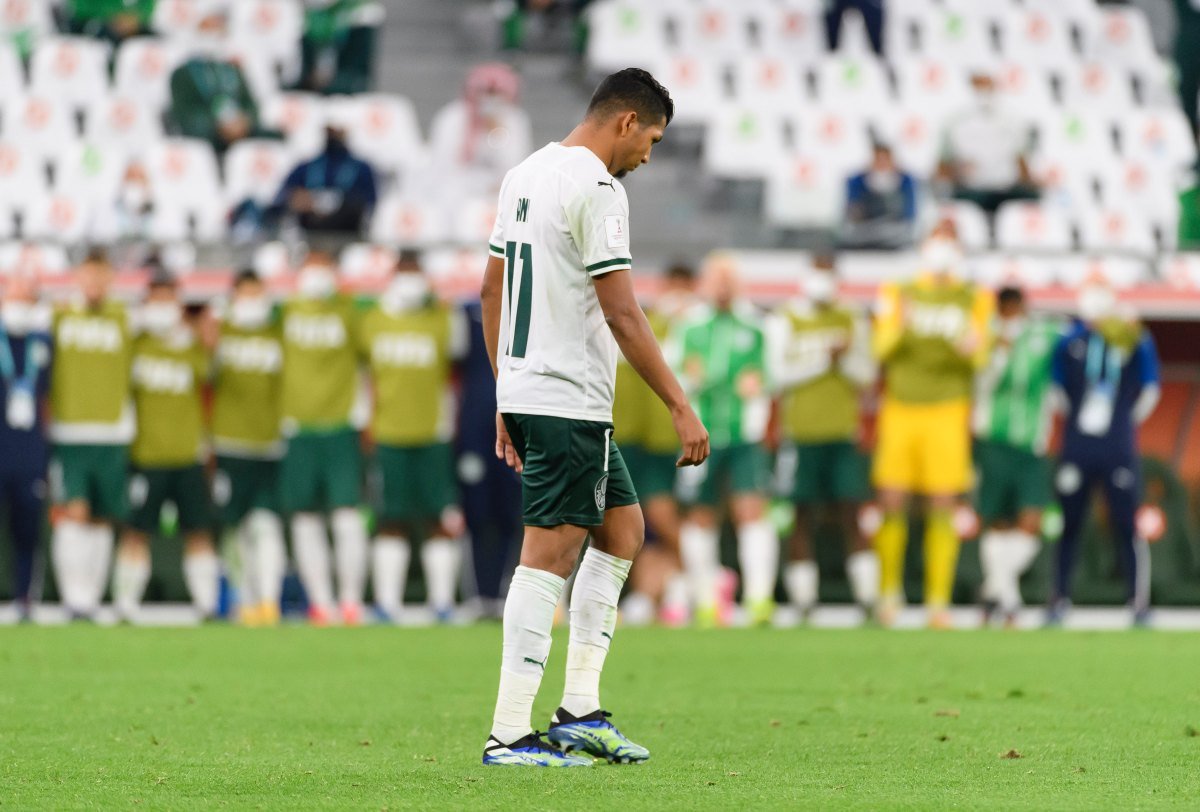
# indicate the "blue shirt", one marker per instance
pixel 25 450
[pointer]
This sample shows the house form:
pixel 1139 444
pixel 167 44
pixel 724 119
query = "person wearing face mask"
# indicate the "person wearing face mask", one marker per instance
pixel 410 343
pixel 93 424
pixel 170 369
pixel 650 447
pixel 1012 423
pixel 930 336
pixel 25 360
pixel 1106 372
pixel 819 357
pixel 211 99
pixel 334 193
pixel 321 473
pixel 985 151
pixel 881 205
pixel 245 434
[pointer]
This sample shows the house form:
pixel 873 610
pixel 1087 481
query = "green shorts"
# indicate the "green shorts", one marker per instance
pixel 321 472
pixel 242 485
pixel 1011 480
pixel 96 474
pixel 741 468
pixel 827 473
pixel 573 470
pixel 185 487
pixel 414 483
pixel 652 473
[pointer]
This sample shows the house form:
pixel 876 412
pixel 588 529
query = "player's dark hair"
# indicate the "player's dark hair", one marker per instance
pixel 245 276
pixel 409 259
pixel 162 281
pixel 825 260
pixel 681 272
pixel 1010 295
pixel 96 255
pixel 632 89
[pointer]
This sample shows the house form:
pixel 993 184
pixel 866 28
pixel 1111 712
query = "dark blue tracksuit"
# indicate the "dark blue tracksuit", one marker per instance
pixel 1092 374
pixel 491 491
pixel 24 452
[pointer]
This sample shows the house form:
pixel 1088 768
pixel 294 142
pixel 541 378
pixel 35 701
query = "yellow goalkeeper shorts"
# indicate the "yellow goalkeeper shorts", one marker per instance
pixel 923 448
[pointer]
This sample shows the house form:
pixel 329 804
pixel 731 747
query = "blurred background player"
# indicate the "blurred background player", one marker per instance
pixel 931 334
pixel 170 370
pixel 92 427
pixel 1012 423
pixel 819 358
pixel 1107 369
pixel 721 353
pixel 410 342
pixel 247 369
pixel 25 359
pixel 648 442
pixel 321 471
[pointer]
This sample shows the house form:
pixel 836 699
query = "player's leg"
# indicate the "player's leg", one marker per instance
pixel 758 543
pixel 699 537
pixel 300 496
pixel 995 503
pixel 265 529
pixel 1073 484
pixel 894 474
pixel 941 557
pixel 431 468
pixel 109 488
pixel 342 475
pixel 850 491
pixel 230 497
pixel 391 550
pixel 71 553
pixel 945 472
pixel 201 567
pixel 1122 490
pixel 1031 487
pixel 24 495
pixel 662 514
pixel 800 575
pixel 131 572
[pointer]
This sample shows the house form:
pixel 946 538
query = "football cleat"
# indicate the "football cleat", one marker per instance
pixel 595 735
pixel 529 751
pixel 761 612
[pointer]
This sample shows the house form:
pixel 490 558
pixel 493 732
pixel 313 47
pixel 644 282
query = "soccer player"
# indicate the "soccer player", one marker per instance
pixel 92 426
pixel 557 291
pixel 1012 428
pixel 820 361
pixel 410 342
pixel 170 369
pixel 721 350
pixel 931 335
pixel 245 428
pixel 25 359
pixel 650 448
pixel 322 466
pixel 1107 370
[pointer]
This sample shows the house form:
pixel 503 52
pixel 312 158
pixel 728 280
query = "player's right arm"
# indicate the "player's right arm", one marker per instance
pixel 491 299
pixel 632 332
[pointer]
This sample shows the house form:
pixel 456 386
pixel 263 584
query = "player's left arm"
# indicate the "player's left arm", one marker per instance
pixel 1150 378
pixel 977 343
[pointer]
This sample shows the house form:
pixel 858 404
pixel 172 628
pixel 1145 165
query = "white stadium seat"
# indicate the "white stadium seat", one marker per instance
pixel 301 117
pixel 25 20
pixel 1025 91
pixel 842 140
pixel 143 69
pixel 58 217
pixel 1099 87
pixel 41 124
pixel 915 137
pixel 12 74
pixel 767 80
pixel 272 260
pixel 1120 37
pixel 44 259
pixel 1161 136
pixel 122 122
pixel 1078 136
pixel 715 29
pixel 91 172
pixel 853 84
pixel 624 33
pixel 188 200
pixel 960 39
pixel 805 193
pixel 255 168
pixel 272 27
pixel 71 69
pixel 1116 229
pixel 22 174
pixel 383 130
pixel 407 223
pixel 971 223
pixel 472 220
pixel 1180 270
pixel 1120 272
pixel 1025 226
pixel 932 85
pixel 181 18
pixel 697 87
pixel 791 29
pixel 1141 186
pixel 1067 180
pixel 1038 39
pixel 743 143
pixel 1020 270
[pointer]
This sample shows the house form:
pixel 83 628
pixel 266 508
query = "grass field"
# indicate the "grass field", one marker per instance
pixel 384 718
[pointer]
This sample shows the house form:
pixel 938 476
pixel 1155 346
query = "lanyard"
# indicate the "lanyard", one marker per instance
pixel 1096 363
pixel 8 366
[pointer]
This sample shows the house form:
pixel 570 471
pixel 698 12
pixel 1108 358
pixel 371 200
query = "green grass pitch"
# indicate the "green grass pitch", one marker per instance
pixel 379 718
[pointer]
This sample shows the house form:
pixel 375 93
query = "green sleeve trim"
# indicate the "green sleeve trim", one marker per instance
pixel 497 251
pixel 608 263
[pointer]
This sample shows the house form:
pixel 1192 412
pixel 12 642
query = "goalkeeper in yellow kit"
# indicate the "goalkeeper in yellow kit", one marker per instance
pixel 931 335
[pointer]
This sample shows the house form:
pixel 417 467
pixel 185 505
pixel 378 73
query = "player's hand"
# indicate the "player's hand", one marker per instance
pixel 504 446
pixel 969 342
pixel 693 437
pixel 749 385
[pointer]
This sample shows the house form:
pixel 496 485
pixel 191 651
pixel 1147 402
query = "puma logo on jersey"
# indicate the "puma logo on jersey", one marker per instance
pixel 610 184
pixel 404 350
pixel 162 375
pixel 315 332
pixel 261 355
pixel 90 334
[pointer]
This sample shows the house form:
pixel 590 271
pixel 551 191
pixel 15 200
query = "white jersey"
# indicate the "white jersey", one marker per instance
pixel 562 219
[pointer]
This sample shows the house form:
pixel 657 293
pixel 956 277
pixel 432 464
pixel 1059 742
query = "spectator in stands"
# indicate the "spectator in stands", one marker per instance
pixel 211 100
pixel 477 138
pixel 334 193
pixel 24 384
pixel 1187 58
pixel 872 16
pixel 338 48
pixel 881 205
pixel 984 151
pixel 134 205
pixel 114 20
pixel 515 17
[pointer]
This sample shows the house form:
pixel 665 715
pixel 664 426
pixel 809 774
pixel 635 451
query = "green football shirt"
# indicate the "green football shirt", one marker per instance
pixel 89 389
pixel 1012 394
pixel 168 379
pixel 248 373
pixel 320 364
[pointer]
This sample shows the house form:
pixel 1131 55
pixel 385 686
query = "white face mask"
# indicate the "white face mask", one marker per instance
pixel 135 197
pixel 19 318
pixel 406 291
pixel 821 287
pixel 941 255
pixel 316 282
pixel 883 180
pixel 161 317
pixel 986 99
pixel 491 106
pixel 1096 302
pixel 250 312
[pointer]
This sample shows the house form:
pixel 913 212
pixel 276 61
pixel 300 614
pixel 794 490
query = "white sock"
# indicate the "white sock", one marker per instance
pixel 593 618
pixel 350 550
pixel 102 539
pixel 130 576
pixel 758 555
pixel 248 582
pixel 800 578
pixel 270 555
pixel 701 555
pixel 440 558
pixel 862 568
pixel 71 554
pixel 675 593
pixel 993 564
pixel 528 619
pixel 1020 550
pixel 312 559
pixel 202 574
pixel 389 573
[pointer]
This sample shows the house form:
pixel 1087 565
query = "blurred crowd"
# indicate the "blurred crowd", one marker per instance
pixel 362 430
